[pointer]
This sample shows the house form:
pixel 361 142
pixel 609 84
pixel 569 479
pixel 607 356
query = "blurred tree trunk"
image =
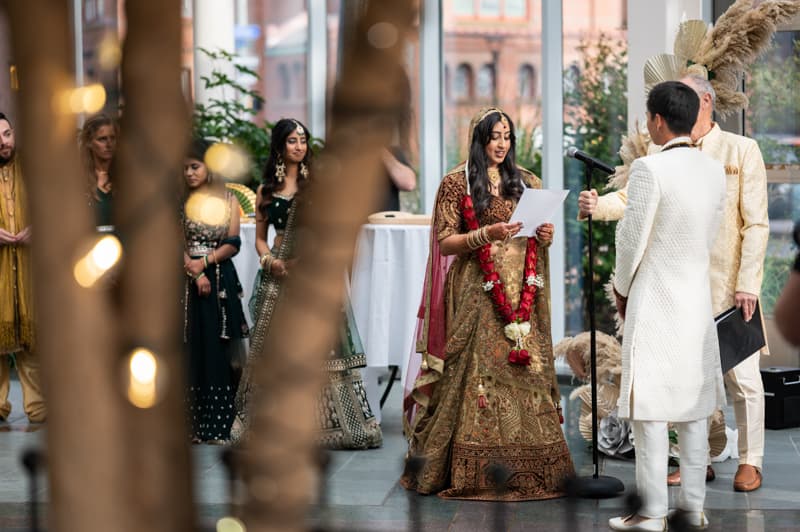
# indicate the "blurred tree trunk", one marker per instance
pixel 149 163
pixel 76 329
pixel 111 466
pixel 278 457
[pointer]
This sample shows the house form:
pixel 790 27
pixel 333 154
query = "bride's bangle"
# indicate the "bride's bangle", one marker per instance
pixel 264 258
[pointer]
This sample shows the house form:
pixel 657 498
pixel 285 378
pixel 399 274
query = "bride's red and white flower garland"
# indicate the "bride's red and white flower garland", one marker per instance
pixel 517 322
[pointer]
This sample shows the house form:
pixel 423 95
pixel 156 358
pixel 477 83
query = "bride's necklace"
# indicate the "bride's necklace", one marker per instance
pixel 494 180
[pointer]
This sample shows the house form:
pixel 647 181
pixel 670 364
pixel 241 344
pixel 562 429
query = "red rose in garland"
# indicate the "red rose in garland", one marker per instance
pixel 517 322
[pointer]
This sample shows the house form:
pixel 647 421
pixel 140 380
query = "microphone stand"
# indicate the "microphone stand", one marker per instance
pixel 597 486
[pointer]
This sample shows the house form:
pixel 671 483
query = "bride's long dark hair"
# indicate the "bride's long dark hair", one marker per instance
pixel 510 185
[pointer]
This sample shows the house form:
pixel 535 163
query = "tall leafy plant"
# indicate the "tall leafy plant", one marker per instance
pixel 228 118
pixel 595 98
pixel 232 117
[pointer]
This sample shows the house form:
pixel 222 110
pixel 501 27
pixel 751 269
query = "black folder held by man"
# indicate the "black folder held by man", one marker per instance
pixel 738 339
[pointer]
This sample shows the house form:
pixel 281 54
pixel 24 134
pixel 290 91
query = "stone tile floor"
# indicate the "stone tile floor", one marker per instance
pixel 362 493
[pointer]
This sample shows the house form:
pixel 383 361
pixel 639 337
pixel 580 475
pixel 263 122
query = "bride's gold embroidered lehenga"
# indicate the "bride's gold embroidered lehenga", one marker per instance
pixel 519 428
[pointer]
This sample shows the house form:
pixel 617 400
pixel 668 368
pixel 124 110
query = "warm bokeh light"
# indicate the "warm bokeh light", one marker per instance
pixel 144 378
pixel 143 366
pixel 205 208
pixel 103 256
pixel 89 99
pixel 228 160
pixel 230 524
pixel 107 252
pixel 109 53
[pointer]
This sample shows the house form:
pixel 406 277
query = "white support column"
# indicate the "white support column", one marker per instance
pixel 213 22
pixel 77 29
pixel 553 150
pixel 317 65
pixel 652 27
pixel 242 14
pixel 431 105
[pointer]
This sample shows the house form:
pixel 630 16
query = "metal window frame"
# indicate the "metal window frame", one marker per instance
pixel 317 64
pixel 431 103
pixel 553 150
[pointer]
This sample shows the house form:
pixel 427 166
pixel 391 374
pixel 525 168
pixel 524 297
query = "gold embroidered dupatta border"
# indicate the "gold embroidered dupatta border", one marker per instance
pixel 267 295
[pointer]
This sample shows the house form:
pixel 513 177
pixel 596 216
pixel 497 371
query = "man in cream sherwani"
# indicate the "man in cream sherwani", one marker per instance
pixel 737 266
pixel 670 352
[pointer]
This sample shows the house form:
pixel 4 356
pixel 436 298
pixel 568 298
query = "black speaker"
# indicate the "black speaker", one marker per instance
pixel 781 397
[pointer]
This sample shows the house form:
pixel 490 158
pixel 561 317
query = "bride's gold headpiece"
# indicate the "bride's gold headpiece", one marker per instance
pixel 480 116
pixel 477 119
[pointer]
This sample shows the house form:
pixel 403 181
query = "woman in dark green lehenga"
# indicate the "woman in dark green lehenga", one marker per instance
pixel 344 417
pixel 214 322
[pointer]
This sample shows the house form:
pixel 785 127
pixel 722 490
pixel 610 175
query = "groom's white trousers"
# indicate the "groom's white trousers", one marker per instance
pixel 652 453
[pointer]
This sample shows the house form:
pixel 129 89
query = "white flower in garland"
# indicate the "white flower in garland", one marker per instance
pixel 488 285
pixel 517 331
pixel 535 280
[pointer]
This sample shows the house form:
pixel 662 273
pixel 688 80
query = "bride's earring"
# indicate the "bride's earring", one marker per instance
pixel 303 171
pixel 280 169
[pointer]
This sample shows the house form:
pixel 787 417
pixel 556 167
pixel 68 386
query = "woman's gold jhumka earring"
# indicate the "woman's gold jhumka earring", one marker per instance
pixel 280 169
pixel 303 171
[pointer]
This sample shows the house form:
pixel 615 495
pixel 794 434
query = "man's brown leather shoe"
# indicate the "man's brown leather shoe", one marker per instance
pixel 748 478
pixel 674 478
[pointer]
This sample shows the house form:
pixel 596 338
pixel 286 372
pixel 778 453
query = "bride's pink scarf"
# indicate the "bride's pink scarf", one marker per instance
pixel 431 332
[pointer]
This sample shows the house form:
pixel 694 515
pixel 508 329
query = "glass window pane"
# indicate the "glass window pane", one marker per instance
pixel 527 89
pixel 486 82
pixel 773 116
pixel 515 8
pixel 102 23
pixel 465 7
pixel 784 210
pixel 89 12
pixel 405 142
pixel 490 8
pixel 462 87
pixel 283 58
pixel 595 118
pixel 773 120
pixel 482 62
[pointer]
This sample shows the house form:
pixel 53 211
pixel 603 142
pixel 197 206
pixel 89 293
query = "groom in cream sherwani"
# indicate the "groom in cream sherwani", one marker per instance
pixel 670 353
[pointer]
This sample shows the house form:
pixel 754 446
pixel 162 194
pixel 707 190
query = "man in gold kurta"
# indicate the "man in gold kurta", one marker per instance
pixel 16 302
pixel 737 264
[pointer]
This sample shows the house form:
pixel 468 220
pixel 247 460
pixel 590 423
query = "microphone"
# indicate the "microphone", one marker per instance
pixel 591 161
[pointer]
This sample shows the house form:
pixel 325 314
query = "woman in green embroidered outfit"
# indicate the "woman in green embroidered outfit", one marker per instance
pixel 477 401
pixel 97 142
pixel 344 416
pixel 214 323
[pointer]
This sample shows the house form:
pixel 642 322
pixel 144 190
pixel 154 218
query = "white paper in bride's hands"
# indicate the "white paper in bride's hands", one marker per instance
pixel 536 207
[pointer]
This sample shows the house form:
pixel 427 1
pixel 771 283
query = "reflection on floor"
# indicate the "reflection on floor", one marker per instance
pixel 363 495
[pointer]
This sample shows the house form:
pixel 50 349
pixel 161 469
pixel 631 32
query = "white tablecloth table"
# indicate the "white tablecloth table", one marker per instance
pixel 386 286
pixel 246 261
